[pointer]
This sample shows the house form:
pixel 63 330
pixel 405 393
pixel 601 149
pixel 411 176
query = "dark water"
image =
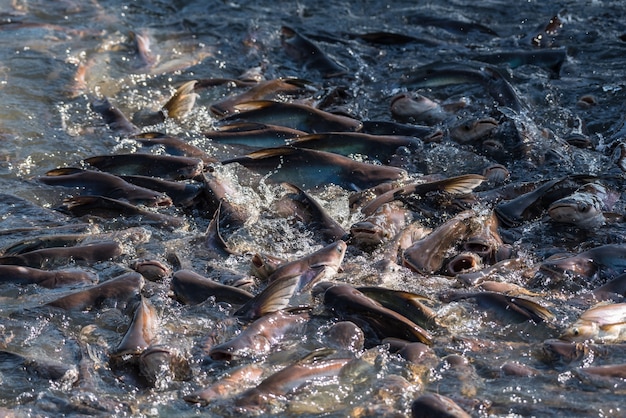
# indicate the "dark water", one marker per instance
pixel 46 122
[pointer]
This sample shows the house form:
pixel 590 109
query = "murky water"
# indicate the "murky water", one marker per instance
pixel 57 363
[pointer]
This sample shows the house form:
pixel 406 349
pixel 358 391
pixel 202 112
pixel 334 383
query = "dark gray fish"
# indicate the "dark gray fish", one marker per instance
pixel 345 335
pixel 191 288
pixel 288 379
pixel 153 270
pixel 261 336
pixel 183 194
pixel 226 386
pixel 381 127
pixel 551 59
pixel 486 241
pixel 166 166
pixel 375 147
pixel 427 255
pixel 141 332
pixel 290 115
pixel 350 304
pixel 44 368
pixel 173 145
pixel 581 267
pixel 104 184
pixel 308 168
pixel 585 207
pixel 106 207
pixel 306 209
pixel 472 130
pixel 55 256
pixel 303 50
pixel 45 241
pixel 292 277
pixel 214 242
pixel 455 185
pixel 161 364
pixel 119 291
pixel 251 134
pixel 415 108
pixel 381 226
pixel 407 304
pixel 44 278
pixel 431 405
pixel 440 74
pixel 177 107
pixel 264 90
pixel 519 308
pixel 113 117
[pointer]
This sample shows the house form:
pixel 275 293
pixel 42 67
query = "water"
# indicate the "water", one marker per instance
pixel 46 122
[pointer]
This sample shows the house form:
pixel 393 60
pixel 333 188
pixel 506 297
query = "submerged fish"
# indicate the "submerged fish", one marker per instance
pixel 47 257
pixel 226 386
pixel 191 288
pixel 602 323
pixel 251 134
pixel 304 50
pixel 50 279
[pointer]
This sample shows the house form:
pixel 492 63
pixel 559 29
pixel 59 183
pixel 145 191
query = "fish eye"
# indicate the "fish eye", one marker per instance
pixel 584 208
pixel 576 332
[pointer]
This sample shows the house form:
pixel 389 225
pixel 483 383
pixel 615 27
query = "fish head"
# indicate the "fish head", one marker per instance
pixel 582 210
pixel 581 330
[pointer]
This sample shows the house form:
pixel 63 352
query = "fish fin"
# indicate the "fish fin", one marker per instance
pixel 531 309
pixel 182 101
pixel 462 184
pixel 273 298
pixel 148 135
pixel 64 171
pixel 607 327
pixel 310 277
pixel 253 105
pixel 271 152
pixel 241 127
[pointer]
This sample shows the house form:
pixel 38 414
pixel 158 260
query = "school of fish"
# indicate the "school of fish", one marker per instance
pixel 297 258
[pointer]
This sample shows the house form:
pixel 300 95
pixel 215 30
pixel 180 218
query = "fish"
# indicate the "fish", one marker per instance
pixel 289 378
pixel 304 208
pixel 416 108
pixel 376 147
pixel 303 50
pixel 50 257
pixel 107 207
pixel 294 276
pixel 49 369
pixel 191 288
pixel 153 270
pixel 519 308
pixel 381 127
pixel 464 262
pixel 605 323
pixel 472 130
pixel 580 268
pixel 405 303
pixel 344 335
pixel 177 107
pixel 262 336
pixel 551 59
pixel 253 134
pixel 160 364
pixel 436 405
pixel 381 226
pixel 141 332
pixel 350 304
pixel 291 115
pixel 119 291
pixel 183 194
pixel 585 207
pixel 455 185
pixel 485 241
pixel 428 254
pixel 44 278
pixel 440 74
pixel 43 241
pixel 104 184
pixel 169 167
pixel 113 117
pixel 264 90
pixel 309 168
pixel 226 386
pixel 263 265
pixel 173 146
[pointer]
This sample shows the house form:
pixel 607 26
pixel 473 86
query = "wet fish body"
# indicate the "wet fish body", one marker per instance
pixel 191 288
pixel 47 257
pixel 166 166
pixel 50 279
